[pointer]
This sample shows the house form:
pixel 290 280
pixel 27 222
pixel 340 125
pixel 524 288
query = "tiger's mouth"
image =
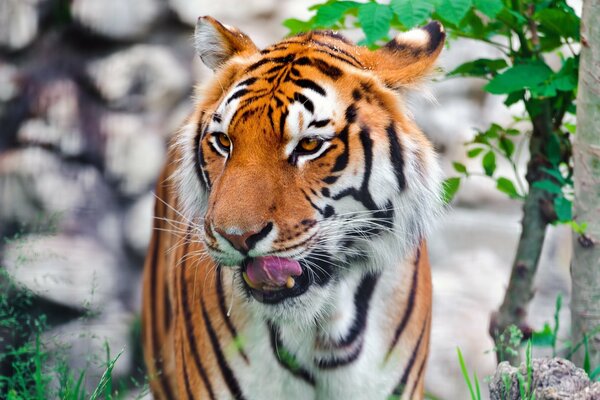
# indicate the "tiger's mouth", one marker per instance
pixel 271 280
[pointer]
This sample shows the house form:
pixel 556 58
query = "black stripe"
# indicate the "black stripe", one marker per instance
pixel 327 69
pixel 409 305
pixel 307 197
pixel 342 160
pixel 362 194
pixel 306 102
pixel 308 84
pixel 276 344
pixel 362 298
pixel 247 82
pixel 419 376
pixel 337 57
pixel 202 174
pixel 228 323
pixel 331 363
pixel 303 61
pixel 328 211
pixel 396 156
pixel 186 378
pixel 156 353
pixel 217 118
pixel 226 371
pixel 237 94
pixel 338 50
pixel 282 119
pixel 413 356
pixel 278 60
pixel 320 123
pixel 189 329
pixel 350 114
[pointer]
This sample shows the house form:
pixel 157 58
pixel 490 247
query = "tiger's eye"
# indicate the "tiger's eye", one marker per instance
pixel 223 140
pixel 308 144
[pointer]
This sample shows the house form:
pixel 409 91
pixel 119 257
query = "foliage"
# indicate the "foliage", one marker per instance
pixel 474 392
pixel 25 372
pixel 525 33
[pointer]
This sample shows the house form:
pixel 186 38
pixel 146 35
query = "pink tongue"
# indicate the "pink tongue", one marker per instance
pixel 272 271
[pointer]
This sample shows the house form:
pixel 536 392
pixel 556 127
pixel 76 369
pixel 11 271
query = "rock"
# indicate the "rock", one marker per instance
pixel 75 271
pixel 224 10
pixel 35 181
pixel 467 286
pixel 134 152
pixel 18 23
pixel 55 121
pixel 552 379
pixel 117 19
pixel 82 343
pixel 140 77
pixel 9 85
pixel 138 224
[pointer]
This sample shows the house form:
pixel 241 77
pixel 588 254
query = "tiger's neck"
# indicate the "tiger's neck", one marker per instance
pixel 361 331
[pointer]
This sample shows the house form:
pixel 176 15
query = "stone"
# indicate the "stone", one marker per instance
pixel 18 23
pixel 138 224
pixel 467 286
pixel 224 10
pixel 552 379
pixel 75 271
pixel 141 77
pixel 134 154
pixel 117 19
pixel 36 182
pixel 9 85
pixel 56 119
pixel 82 343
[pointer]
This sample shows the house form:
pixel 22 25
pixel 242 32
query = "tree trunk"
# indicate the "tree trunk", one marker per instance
pixel 585 267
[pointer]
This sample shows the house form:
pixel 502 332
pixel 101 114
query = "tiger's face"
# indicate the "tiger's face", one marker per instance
pixel 302 164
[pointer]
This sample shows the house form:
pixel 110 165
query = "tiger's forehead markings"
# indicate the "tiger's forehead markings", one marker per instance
pixel 278 86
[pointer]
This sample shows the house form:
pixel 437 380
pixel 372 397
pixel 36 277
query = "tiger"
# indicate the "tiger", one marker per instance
pixel 288 258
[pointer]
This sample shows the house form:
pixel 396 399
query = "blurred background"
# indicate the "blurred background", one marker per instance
pixel 90 93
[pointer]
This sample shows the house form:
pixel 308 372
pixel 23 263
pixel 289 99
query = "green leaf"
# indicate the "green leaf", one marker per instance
pixel 507 146
pixel 489 163
pixel 460 168
pixel 514 97
pixel 480 67
pixel 331 13
pixel 474 152
pixel 451 186
pixel 544 337
pixel 548 186
pixel 491 8
pixel 555 173
pixel 506 186
pixel 563 208
pixel 297 26
pixel 558 22
pixel 519 77
pixel 454 11
pixel 375 20
pixel 552 150
pixel 411 12
pixel 463 369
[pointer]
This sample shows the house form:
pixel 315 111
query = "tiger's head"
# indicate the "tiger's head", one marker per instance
pixel 301 161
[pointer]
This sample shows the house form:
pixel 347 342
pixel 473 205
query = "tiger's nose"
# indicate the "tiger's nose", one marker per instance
pixel 246 241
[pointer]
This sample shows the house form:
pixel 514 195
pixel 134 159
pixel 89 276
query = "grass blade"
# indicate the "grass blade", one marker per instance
pixel 463 368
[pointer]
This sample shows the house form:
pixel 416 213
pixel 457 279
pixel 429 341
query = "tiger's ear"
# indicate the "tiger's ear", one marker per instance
pixel 217 43
pixel 409 57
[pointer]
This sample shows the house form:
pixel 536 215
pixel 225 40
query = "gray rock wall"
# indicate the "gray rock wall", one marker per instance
pixel 90 91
